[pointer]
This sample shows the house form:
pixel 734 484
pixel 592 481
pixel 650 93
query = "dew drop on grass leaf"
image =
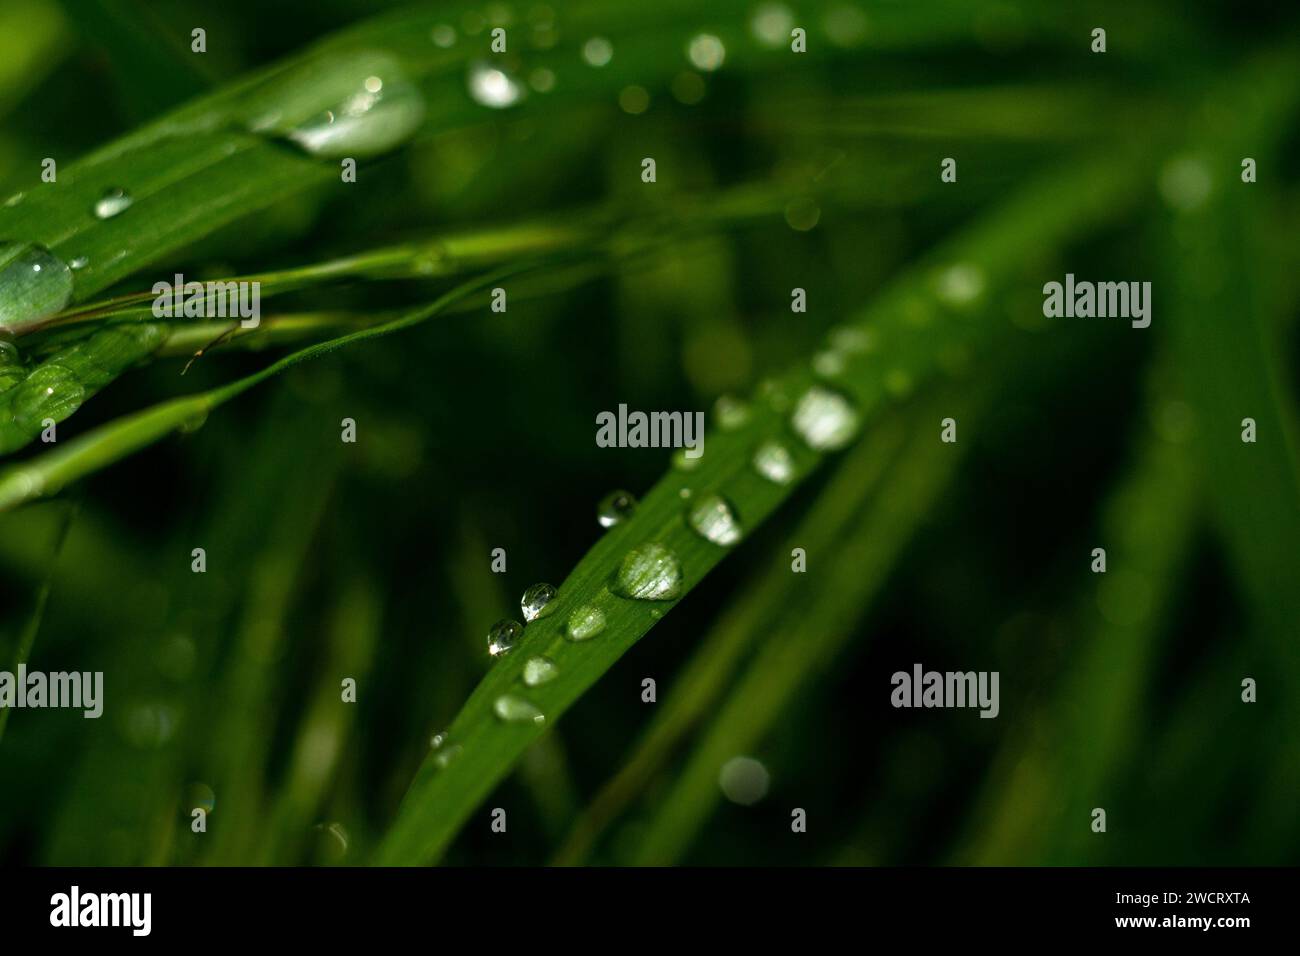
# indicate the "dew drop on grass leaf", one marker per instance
pixel 649 573
pixel 774 462
pixel 358 104
pixel 825 419
pixel 34 284
pixel 615 508
pixel 114 202
pixel 447 755
pixel 539 670
pixel 492 86
pixel 516 710
pixel 50 391
pixel 503 635
pixel 730 412
pixel 585 623
pixel 715 520
pixel 533 603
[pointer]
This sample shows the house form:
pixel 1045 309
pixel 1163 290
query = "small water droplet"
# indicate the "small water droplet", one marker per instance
pixel 493 87
pixel 585 623
pixel 542 79
pixel 533 603
pixel 78 263
pixel 851 340
pixel 825 419
pixel 684 493
pixel 597 51
pixel 828 363
pixel 744 780
pixel 649 573
pixel 539 670
pixel 959 284
pixel 684 462
pixel 714 519
pixel 515 710
pixel 503 636
pixel 706 52
pixel 730 412
pixel 771 24
pixel 443 758
pixel 437 741
pixel 1185 183
pixel 15 199
pixel 113 203
pixel 615 508
pixel 774 462
pixel 331 842
pixel 200 796
pixel 34 284
pixel 443 35
pixel 634 100
pixel 802 215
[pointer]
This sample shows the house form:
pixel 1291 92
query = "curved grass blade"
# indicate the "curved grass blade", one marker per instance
pixel 1045 214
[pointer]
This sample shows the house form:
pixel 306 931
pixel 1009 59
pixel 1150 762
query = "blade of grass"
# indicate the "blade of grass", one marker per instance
pixel 441 799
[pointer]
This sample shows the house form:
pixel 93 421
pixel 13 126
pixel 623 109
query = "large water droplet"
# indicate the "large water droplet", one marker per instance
pixel 713 518
pixel 113 203
pixel 34 284
pixel 615 507
pixel 503 636
pixel 585 623
pixel 824 419
pixel 649 573
pixel 358 104
pixel 534 601
pixel 50 391
pixel 514 710
pixel 774 462
pixel 539 670
pixel 744 780
pixel 492 86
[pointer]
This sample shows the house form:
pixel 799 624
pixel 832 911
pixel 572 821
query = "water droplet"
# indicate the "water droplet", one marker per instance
pixel 493 87
pixel 634 100
pixel 898 383
pixel 1185 183
pixel 683 462
pixel 688 87
pixel 331 842
pixel 828 363
pixel 34 284
pixel 443 35
pixel 533 603
pixel 851 340
pixel 514 710
pixel 443 758
pixel 684 493
pixel 437 741
pixel 503 636
pixel 615 508
pixel 824 419
pixel 539 670
pixel 200 796
pixel 542 79
pixel 649 573
pixel 714 519
pixel 585 623
pixel 113 203
pixel 771 24
pixel 744 780
pixel 597 51
pixel 360 104
pixel 802 215
pixel 959 284
pixel 15 199
pixel 730 412
pixel 774 462
pixel 706 52
pixel 78 263
pixel 49 391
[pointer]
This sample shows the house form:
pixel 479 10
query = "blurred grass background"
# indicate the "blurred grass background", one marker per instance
pixel 1120 691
